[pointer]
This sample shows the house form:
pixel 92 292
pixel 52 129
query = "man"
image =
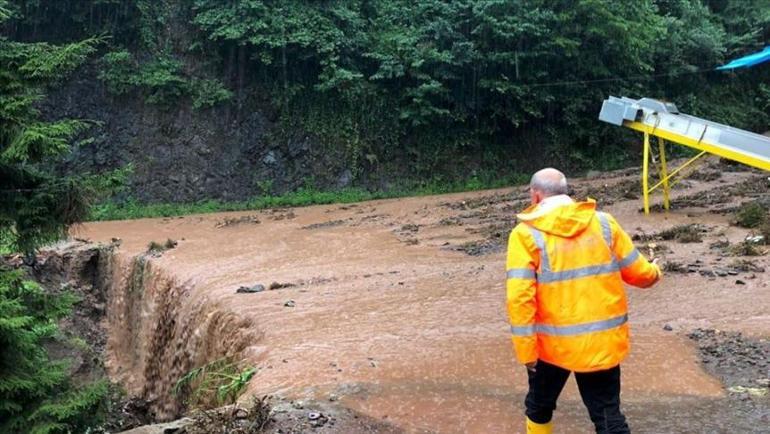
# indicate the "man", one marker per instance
pixel 566 301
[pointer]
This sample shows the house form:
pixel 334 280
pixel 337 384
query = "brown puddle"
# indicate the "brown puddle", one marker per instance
pixel 385 315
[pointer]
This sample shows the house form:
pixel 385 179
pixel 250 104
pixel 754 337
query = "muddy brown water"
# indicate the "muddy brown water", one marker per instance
pixel 391 320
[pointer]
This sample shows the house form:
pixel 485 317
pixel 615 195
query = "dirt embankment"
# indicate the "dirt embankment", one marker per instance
pixel 394 309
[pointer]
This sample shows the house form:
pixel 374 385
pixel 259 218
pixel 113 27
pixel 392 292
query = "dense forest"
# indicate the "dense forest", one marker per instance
pixel 391 89
pixel 378 90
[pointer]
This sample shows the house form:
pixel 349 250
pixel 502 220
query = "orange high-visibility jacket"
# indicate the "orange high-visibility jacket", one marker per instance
pixel 565 294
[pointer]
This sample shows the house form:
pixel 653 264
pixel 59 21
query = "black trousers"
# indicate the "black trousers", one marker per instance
pixel 600 391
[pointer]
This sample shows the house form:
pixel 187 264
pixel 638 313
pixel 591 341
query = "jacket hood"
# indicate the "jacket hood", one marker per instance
pixel 565 221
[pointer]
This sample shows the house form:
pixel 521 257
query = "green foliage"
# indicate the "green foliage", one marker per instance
pixel 214 384
pixel 752 215
pixel 52 62
pixel 35 393
pixel 161 81
pixel 5 11
pixel 39 140
pixel 764 231
pixel 36 207
pixel 746 248
pixel 457 76
pixel 117 71
pixel 208 93
pixel 432 82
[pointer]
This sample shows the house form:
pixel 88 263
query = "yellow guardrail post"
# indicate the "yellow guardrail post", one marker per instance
pixel 663 172
pixel 673 173
pixel 645 172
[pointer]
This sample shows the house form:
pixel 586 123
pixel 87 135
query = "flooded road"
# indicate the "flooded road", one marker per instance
pixel 395 308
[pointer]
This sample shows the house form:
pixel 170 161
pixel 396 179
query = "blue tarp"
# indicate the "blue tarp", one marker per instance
pixel 749 61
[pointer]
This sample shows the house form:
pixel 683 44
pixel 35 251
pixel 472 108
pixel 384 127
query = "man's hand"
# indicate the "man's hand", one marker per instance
pixel 531 366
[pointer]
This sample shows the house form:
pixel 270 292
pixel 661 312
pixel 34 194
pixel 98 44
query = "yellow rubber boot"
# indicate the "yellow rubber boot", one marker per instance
pixel 539 428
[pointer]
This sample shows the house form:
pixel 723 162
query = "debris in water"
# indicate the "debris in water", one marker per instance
pixel 676 267
pixel 753 391
pixel 279 214
pixel 667 328
pixel 746 248
pixel 155 248
pixel 250 289
pixel 290 303
pixel 251 419
pixel 737 360
pixel 746 265
pixel 683 233
pixel 329 224
pixel 313 416
pixel 235 221
pixel 276 285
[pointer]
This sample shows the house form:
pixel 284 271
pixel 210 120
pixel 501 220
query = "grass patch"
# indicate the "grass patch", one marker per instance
pixel 6 243
pixel 303 197
pixel 764 231
pixel 213 385
pixel 751 215
pixel 746 248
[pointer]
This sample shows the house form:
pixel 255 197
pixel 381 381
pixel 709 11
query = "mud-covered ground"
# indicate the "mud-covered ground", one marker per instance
pixel 270 416
pixel 394 309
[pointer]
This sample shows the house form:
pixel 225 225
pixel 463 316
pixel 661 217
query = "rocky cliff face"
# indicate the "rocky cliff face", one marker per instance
pixel 181 154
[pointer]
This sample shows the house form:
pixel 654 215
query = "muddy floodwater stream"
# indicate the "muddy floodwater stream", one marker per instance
pixel 396 309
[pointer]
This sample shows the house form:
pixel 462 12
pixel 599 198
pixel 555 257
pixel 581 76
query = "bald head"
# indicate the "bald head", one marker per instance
pixel 547 182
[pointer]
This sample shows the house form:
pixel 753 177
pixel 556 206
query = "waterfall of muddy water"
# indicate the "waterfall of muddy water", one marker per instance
pixel 159 330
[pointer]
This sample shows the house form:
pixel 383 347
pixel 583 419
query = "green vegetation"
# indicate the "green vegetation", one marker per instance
pixel 434 85
pixel 746 248
pixel 161 81
pixel 302 197
pixel 36 394
pixel 764 232
pixel 431 91
pixel 214 384
pixel 752 215
pixel 441 81
pixel 36 206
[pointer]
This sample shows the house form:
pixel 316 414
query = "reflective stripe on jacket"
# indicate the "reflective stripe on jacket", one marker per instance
pixel 565 294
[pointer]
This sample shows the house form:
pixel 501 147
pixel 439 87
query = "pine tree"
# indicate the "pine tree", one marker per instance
pixel 36 207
